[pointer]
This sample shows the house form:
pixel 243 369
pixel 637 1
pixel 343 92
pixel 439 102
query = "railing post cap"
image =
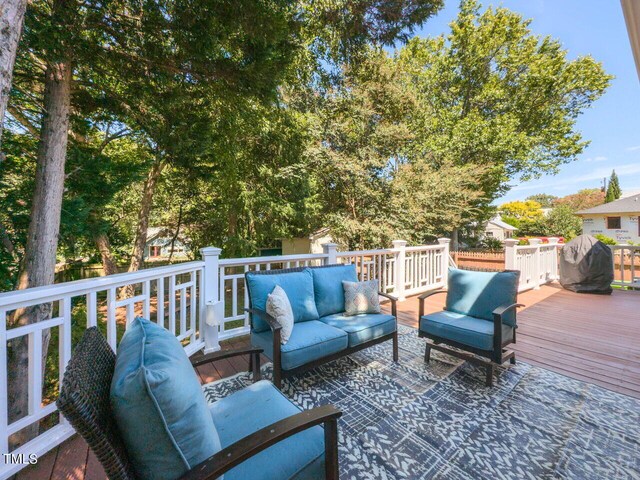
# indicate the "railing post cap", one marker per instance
pixel 535 241
pixel 208 251
pixel 329 245
pixel 511 242
pixel 399 243
pixel 444 240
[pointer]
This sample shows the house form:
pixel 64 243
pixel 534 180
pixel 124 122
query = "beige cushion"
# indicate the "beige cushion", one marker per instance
pixel 361 297
pixel 279 307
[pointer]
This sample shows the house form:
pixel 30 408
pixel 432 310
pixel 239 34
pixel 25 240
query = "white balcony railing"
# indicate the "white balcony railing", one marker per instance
pixel 626 265
pixel 201 302
pixel 537 262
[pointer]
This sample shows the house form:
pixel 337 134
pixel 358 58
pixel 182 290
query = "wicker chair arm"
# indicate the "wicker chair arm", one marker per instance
pixel 272 322
pixel 212 357
pixel 238 452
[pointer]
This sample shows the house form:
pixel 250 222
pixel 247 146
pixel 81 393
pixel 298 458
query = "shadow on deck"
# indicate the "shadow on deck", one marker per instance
pixel 588 337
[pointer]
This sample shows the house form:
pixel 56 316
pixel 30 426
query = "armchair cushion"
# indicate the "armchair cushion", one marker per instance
pixel 297 285
pixel 478 294
pixel 309 341
pixel 300 455
pixel 464 329
pixel 327 285
pixel 362 328
pixel 158 404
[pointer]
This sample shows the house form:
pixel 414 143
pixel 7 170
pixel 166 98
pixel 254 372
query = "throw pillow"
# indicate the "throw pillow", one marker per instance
pixel 279 307
pixel 361 297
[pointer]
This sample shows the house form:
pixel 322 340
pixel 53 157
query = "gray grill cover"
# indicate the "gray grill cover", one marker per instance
pixel 586 266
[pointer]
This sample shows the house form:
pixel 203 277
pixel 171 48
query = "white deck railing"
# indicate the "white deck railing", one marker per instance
pixel 537 262
pixel 626 265
pixel 201 302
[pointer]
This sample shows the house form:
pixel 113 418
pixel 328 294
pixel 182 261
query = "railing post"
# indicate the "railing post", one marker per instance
pixel 537 264
pixel 399 252
pixel 446 243
pixel 330 249
pixel 213 314
pixel 510 253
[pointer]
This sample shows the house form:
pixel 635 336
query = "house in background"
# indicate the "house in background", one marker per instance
pixel 309 244
pixel 617 220
pixel 158 246
pixel 498 229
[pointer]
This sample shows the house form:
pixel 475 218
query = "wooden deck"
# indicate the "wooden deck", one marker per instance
pixel 588 337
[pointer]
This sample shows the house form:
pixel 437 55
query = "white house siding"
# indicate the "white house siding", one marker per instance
pixel 628 231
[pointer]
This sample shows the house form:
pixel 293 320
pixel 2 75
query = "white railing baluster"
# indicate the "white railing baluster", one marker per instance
pixel 160 301
pixel 92 309
pixel 112 333
pixel 35 371
pixel 146 304
pixel 172 304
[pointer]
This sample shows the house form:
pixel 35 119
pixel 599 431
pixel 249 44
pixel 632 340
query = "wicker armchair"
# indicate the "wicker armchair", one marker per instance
pixel 84 402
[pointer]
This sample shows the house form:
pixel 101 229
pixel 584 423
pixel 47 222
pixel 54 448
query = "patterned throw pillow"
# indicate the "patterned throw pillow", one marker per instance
pixel 279 307
pixel 361 297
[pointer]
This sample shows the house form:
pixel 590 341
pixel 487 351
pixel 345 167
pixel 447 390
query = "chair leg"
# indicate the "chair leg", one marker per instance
pixel 427 353
pixel 331 450
pixel 489 378
pixel 512 360
pixel 395 346
pixel 255 364
pixel 250 364
pixel 277 377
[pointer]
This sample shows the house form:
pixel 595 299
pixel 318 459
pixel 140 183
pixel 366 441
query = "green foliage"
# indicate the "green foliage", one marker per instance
pixel 544 199
pixel 493 244
pixel 613 190
pixel 606 240
pixel 562 222
pixel 527 210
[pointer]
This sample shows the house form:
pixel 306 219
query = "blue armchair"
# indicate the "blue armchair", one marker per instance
pixel 479 318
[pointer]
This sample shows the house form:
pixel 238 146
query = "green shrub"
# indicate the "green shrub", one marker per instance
pixel 606 240
pixel 493 244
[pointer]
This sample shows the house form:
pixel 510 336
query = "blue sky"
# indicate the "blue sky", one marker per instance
pixel 594 27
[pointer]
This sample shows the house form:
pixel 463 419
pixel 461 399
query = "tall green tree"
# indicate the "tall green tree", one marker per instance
pixel 544 199
pixel 496 95
pixel 613 190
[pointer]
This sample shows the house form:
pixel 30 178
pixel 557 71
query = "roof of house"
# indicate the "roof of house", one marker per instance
pixel 497 221
pixel 624 205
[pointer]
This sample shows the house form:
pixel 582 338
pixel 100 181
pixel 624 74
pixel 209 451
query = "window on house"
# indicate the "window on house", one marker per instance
pixel 155 251
pixel 489 234
pixel 613 223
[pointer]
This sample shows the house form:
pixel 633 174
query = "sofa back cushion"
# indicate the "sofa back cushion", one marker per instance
pixel 478 294
pixel 297 285
pixel 327 285
pixel 158 404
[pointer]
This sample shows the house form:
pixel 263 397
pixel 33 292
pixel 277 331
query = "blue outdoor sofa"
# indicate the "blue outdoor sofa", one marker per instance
pixel 321 332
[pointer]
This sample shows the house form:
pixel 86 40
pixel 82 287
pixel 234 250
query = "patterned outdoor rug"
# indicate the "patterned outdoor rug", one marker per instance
pixel 411 420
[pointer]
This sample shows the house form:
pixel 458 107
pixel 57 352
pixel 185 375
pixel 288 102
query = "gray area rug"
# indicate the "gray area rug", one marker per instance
pixel 438 421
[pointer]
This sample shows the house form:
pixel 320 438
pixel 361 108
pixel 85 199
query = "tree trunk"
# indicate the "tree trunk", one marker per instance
pixel 104 247
pixel 175 235
pixel 42 239
pixel 11 19
pixel 137 255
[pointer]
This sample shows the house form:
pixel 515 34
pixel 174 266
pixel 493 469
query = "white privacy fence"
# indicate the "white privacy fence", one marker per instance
pixel 201 302
pixel 537 262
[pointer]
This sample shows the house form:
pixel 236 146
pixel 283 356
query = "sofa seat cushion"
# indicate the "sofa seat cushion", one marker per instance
pixel 309 341
pixel 327 286
pixel 470 331
pixel 478 294
pixel 253 408
pixel 297 285
pixel 364 327
pixel 158 404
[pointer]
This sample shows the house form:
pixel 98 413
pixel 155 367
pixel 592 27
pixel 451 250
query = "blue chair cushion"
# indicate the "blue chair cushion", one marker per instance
pixel 158 404
pixel 478 294
pixel 327 285
pixel 297 285
pixel 253 408
pixel 470 331
pixel 362 328
pixel 309 341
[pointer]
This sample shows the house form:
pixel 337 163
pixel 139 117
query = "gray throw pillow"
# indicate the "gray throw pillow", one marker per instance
pixel 279 307
pixel 361 297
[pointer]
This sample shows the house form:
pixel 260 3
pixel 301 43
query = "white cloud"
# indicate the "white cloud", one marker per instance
pixel 596 159
pixel 633 149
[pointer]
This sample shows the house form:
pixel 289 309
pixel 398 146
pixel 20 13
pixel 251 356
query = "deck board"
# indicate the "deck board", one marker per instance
pixel 592 338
